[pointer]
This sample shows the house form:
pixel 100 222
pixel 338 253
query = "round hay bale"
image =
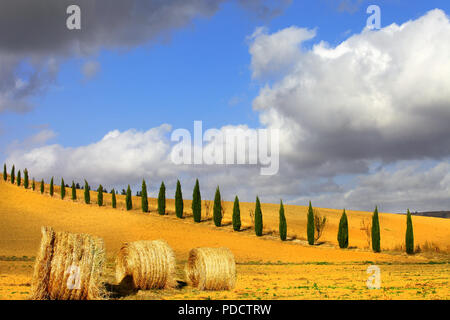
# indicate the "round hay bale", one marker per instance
pixel 211 269
pixel 151 264
pixel 68 267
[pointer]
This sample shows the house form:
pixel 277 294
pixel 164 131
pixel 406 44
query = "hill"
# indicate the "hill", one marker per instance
pixel 435 214
pixel 23 212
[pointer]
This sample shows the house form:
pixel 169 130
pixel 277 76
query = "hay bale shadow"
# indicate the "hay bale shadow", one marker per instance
pixel 180 284
pixel 124 288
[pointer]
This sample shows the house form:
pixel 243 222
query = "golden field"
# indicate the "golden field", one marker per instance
pixel 267 268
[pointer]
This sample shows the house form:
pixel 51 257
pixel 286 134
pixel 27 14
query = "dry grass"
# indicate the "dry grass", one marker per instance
pixel 211 269
pixel 279 281
pixel 151 264
pixel 68 267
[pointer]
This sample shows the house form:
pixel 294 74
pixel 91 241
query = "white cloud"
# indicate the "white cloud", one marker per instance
pixel 272 54
pixel 120 157
pixel 377 95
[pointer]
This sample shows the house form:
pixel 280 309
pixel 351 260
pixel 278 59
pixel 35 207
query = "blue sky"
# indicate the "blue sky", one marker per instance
pixel 194 75
pixel 200 71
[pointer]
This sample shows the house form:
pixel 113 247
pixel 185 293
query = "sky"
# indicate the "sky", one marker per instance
pixel 363 114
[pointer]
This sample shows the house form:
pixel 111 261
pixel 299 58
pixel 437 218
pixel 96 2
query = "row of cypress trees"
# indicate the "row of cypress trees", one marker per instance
pixel 342 235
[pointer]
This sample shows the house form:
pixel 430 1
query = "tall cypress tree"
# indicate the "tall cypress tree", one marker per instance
pixel 100 195
pixel 13 175
pixel 282 225
pixel 409 237
pixel 129 200
pixel 197 203
pixel 51 187
pixel 179 201
pixel 144 197
pixel 74 191
pixel 217 209
pixel 5 175
pixel 42 186
pixel 375 231
pixel 258 218
pixel 162 199
pixel 113 198
pixel 63 189
pixel 343 231
pixel 236 215
pixel 25 179
pixel 33 185
pixel 19 179
pixel 87 194
pixel 310 225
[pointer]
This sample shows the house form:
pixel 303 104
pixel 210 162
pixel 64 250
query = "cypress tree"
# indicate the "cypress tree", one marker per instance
pixel 343 231
pixel 74 191
pixel 375 231
pixel 236 215
pixel 162 199
pixel 310 225
pixel 197 203
pixel 113 198
pixel 258 218
pixel 5 175
pixel 282 226
pixel 42 186
pixel 13 175
pixel 144 197
pixel 51 187
pixel 33 185
pixel 409 238
pixel 63 189
pixel 19 179
pixel 25 179
pixel 87 194
pixel 128 200
pixel 179 201
pixel 217 210
pixel 100 195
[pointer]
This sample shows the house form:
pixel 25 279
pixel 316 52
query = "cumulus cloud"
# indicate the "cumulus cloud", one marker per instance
pixel 381 95
pixel 273 54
